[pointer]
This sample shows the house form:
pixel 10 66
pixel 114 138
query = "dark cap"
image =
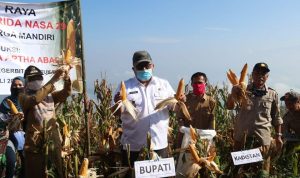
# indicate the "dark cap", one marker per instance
pixel 141 56
pixel 291 96
pixel 261 66
pixel 31 71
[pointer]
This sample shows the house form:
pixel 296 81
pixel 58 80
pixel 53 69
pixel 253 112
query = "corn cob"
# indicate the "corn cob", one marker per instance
pixel 12 106
pixel 193 133
pixel 232 81
pixel 194 153
pixel 71 37
pixel 84 168
pixel 179 89
pixel 68 57
pixel 243 73
pixel 123 91
pixel 234 77
pixel 175 100
pixel 66 131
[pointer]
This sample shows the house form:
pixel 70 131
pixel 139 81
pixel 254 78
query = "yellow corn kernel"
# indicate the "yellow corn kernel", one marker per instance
pixel 12 106
pixel 84 167
pixel 180 89
pixel 243 73
pixel 123 91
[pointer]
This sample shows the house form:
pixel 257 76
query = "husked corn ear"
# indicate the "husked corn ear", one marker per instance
pixel 193 133
pixel 66 131
pixel 232 81
pixel 123 91
pixel 180 89
pixel 71 37
pixel 84 167
pixel 12 106
pixel 234 77
pixel 194 153
pixel 68 57
pixel 243 73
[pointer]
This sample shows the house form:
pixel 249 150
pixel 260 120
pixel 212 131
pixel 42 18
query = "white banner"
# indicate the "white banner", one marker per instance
pixel 163 167
pixel 246 156
pixel 37 34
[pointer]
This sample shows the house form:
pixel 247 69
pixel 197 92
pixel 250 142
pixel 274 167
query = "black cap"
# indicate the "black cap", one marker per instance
pixel 31 71
pixel 141 56
pixel 261 66
pixel 291 96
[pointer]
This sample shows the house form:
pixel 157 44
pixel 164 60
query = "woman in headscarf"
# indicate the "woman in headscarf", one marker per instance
pixel 16 134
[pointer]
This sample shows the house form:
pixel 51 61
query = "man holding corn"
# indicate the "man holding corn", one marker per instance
pixel 256 116
pixel 145 91
pixel 200 105
pixel 201 108
pixel 42 131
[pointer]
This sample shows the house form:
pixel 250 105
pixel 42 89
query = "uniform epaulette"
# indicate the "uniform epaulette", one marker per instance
pixel 269 88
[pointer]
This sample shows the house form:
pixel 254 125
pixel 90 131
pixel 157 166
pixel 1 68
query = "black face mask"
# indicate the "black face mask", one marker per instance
pixel 16 91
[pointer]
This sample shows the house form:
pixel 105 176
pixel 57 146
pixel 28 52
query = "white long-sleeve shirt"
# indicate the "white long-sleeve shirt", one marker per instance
pixel 148 120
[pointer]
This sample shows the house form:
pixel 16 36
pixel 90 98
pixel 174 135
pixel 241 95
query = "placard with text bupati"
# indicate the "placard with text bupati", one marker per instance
pixel 43 35
pixel 163 167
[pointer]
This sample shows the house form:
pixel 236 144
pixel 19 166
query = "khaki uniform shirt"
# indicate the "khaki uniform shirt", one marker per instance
pixel 34 125
pixel 201 111
pixel 291 123
pixel 257 118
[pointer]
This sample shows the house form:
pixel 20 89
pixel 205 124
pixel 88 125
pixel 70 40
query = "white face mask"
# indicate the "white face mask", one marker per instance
pixel 34 85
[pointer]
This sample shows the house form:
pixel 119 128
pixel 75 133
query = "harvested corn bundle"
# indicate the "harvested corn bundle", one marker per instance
pixel 175 100
pixel 242 98
pixel 208 162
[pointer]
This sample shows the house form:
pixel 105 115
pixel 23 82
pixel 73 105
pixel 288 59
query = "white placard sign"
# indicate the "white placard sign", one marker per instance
pixel 246 156
pixel 163 167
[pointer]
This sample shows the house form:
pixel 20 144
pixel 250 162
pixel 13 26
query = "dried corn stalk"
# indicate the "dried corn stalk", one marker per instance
pixel 175 100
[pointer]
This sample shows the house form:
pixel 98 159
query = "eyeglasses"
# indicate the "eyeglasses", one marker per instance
pixel 143 66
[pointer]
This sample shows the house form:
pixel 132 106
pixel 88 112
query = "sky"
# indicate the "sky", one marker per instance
pixel 184 37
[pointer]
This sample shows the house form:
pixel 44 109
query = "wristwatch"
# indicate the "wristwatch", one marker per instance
pixel 278 134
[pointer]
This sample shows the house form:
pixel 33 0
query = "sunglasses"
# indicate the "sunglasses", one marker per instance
pixel 143 66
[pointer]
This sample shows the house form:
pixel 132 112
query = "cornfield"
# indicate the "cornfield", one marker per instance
pixel 105 130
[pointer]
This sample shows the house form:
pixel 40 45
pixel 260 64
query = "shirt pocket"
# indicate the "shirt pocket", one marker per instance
pixel 136 100
pixel 160 95
pixel 265 107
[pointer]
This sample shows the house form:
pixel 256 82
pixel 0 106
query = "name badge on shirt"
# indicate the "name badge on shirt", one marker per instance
pixel 133 92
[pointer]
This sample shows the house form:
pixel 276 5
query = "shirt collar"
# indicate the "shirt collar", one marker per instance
pixel 153 81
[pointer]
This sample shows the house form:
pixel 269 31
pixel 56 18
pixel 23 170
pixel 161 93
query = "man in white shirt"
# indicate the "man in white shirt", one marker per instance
pixel 145 91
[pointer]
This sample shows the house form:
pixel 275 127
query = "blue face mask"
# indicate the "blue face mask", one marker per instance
pixel 144 75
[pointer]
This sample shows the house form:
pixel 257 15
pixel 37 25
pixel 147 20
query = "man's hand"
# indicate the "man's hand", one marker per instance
pixel 236 92
pixel 19 115
pixel 182 97
pixel 117 97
